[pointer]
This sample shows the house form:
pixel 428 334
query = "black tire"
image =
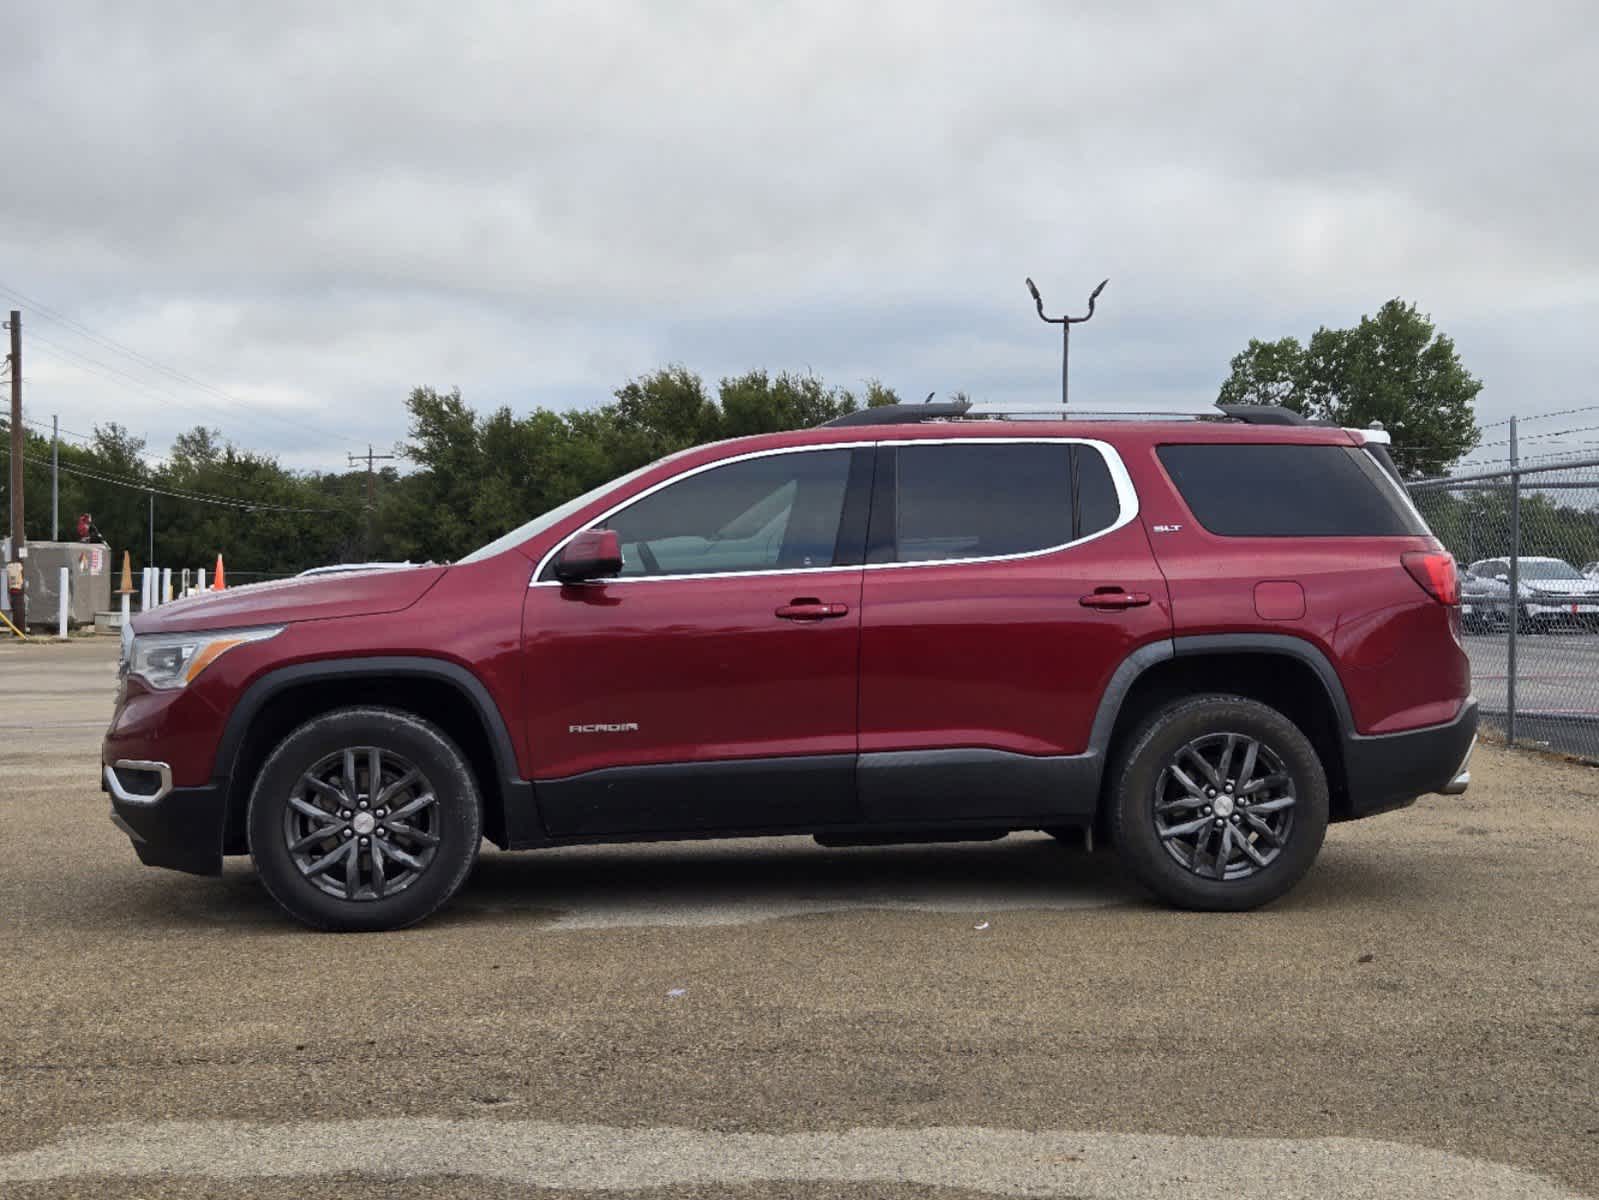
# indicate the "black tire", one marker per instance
pixel 453 819
pixel 1142 768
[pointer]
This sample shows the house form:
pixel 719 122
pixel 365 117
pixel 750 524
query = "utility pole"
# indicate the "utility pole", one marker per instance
pixel 19 545
pixel 55 478
pixel 371 488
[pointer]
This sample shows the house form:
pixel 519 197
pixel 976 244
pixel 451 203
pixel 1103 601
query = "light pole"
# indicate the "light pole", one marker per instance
pixel 1065 324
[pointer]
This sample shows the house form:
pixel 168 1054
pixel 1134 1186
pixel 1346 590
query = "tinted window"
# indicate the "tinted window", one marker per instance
pixel 1097 505
pixel 1261 490
pixel 777 512
pixel 976 500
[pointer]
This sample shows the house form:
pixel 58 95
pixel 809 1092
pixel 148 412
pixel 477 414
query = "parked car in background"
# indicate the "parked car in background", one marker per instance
pixel 1198 641
pixel 1485 604
pixel 1550 593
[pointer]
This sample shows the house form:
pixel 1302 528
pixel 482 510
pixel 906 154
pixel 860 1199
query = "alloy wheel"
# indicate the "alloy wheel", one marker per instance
pixel 1224 806
pixel 362 823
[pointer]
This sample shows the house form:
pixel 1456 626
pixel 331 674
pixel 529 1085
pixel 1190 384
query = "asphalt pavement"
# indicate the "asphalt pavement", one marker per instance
pixel 769 1018
pixel 1557 687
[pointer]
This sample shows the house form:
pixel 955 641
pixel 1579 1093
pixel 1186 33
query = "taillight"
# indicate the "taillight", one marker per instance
pixel 1435 571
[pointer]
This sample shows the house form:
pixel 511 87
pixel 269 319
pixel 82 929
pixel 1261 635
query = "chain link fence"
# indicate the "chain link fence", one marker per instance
pixel 1527 541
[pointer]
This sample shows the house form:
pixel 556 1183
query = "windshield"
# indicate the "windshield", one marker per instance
pixel 1548 570
pixel 556 515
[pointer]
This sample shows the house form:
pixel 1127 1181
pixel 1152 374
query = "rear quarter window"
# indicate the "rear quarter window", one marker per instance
pixel 1273 490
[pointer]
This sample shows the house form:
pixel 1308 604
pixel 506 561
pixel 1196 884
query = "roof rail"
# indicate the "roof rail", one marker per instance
pixel 901 414
pixel 1262 414
pixel 945 410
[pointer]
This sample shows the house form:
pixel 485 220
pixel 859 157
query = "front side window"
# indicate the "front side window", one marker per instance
pixel 988 500
pixel 777 512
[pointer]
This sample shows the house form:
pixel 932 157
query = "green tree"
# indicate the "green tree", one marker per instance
pixel 1394 368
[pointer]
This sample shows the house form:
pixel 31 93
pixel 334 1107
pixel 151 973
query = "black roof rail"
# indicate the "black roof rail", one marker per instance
pixel 901 414
pixel 1263 414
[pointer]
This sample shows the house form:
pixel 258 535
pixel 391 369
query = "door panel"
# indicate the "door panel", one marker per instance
pixel 690 672
pixel 1010 652
pixel 668 699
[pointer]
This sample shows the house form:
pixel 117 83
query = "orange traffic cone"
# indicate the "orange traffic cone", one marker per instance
pixel 217 584
pixel 127 575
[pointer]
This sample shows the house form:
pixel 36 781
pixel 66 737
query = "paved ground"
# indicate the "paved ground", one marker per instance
pixel 1557 687
pixel 770 1019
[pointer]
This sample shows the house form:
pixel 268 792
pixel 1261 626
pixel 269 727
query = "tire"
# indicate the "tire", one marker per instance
pixel 407 863
pixel 1182 870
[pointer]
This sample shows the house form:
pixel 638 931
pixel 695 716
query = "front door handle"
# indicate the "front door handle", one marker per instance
pixel 808 609
pixel 1114 598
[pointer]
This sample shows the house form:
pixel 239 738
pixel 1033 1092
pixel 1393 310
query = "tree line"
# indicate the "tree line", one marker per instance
pixel 474 475
pixel 471 475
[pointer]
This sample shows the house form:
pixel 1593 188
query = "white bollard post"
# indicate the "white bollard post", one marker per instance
pixel 166 585
pixel 127 603
pixel 65 598
pixel 144 589
pixel 183 588
pixel 199 579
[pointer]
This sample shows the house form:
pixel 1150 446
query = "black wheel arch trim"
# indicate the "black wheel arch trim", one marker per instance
pixel 1276 643
pixel 521 817
pixel 1381 771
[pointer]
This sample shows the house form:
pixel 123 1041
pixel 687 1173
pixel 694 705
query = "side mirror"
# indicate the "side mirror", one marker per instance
pixel 592 554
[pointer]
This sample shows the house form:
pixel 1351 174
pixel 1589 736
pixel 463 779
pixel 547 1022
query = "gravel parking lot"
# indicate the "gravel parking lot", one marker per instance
pixel 753 1019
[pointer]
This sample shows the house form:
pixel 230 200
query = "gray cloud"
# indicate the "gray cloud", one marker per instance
pixel 317 207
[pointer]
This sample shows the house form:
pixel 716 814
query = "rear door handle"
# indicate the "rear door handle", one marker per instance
pixel 1114 598
pixel 808 609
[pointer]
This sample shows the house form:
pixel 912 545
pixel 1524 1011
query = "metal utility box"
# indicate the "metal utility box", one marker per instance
pixel 89 580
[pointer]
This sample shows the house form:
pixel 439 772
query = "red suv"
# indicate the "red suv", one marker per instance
pixel 1198 640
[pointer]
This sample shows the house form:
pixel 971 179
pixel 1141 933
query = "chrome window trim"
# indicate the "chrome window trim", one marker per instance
pixel 162 770
pixel 1126 499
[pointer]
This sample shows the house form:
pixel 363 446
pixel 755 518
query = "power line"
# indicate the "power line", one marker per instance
pixel 198 497
pixel 76 358
pixel 154 463
pixel 1563 412
pixel 183 377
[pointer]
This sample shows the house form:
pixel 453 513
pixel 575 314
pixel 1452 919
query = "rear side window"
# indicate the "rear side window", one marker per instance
pixel 1267 490
pixel 986 500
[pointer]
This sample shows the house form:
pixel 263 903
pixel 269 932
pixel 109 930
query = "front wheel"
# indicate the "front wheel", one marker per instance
pixel 364 819
pixel 1218 803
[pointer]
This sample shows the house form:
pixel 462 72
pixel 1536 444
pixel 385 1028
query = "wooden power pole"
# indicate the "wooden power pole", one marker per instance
pixel 371 488
pixel 19 545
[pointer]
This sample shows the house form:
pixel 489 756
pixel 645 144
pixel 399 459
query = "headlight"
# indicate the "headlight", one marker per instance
pixel 172 660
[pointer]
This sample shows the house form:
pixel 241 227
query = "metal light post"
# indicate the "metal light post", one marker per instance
pixel 1065 324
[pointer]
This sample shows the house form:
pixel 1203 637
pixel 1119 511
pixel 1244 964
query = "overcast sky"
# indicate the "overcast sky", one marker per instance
pixel 312 208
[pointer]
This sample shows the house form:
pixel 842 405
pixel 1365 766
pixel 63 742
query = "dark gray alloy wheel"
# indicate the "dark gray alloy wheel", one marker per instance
pixel 1218 802
pixel 364 819
pixel 1224 806
pixel 360 823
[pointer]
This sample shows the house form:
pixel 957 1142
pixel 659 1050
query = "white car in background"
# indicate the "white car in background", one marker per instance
pixel 1550 591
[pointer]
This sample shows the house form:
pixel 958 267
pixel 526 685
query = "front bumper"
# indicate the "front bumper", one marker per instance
pixel 174 827
pixel 1391 770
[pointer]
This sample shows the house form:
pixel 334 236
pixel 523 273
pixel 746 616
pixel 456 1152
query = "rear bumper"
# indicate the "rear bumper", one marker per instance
pixel 1392 770
pixel 179 828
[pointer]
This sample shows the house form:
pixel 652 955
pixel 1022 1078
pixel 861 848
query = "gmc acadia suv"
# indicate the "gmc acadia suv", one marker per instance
pixel 1199 640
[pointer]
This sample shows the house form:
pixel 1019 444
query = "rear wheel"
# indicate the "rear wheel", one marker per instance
pixel 1218 802
pixel 364 819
